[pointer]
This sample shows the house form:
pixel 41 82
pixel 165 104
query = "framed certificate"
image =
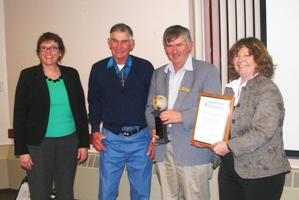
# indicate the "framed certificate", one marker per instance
pixel 213 118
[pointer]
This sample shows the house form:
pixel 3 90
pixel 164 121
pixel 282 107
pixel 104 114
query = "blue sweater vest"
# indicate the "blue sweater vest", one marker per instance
pixel 117 106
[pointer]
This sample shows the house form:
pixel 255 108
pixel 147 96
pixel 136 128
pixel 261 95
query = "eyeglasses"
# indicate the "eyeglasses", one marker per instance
pixel 51 48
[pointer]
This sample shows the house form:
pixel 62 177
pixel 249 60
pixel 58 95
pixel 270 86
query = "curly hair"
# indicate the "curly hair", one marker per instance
pixel 260 54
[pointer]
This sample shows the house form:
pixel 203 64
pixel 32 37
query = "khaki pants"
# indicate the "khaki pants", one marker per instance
pixel 183 182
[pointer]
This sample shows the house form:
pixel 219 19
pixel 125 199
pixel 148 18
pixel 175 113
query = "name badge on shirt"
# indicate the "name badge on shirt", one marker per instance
pixel 184 89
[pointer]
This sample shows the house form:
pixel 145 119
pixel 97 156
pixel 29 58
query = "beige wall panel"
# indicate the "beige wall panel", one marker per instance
pixel 84 27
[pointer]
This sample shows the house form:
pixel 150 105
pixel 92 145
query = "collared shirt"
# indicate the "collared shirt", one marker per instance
pixel 175 80
pixel 237 87
pixel 127 67
pixel 114 105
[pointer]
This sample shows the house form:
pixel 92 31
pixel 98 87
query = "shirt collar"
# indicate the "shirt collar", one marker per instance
pixel 236 84
pixel 112 63
pixel 187 66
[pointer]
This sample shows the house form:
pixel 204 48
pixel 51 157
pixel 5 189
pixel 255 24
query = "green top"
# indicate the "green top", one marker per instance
pixel 61 121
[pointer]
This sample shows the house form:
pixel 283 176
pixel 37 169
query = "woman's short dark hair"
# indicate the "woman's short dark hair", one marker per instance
pixel 51 36
pixel 260 54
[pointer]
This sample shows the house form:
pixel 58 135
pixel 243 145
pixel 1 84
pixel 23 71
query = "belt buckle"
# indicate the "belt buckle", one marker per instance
pixel 126 133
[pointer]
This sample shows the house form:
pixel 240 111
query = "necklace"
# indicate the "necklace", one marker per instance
pixel 54 80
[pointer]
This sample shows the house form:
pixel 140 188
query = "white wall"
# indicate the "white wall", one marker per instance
pixel 283 43
pixel 84 26
pixel 4 109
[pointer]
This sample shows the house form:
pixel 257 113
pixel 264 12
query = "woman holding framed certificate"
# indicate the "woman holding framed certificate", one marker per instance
pixel 254 162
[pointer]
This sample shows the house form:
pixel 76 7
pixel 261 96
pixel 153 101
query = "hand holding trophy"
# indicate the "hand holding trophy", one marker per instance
pixel 160 104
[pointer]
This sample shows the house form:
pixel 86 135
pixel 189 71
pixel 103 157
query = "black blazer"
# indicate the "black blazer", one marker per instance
pixel 32 107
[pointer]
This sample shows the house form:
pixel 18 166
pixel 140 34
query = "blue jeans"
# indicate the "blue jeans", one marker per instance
pixel 132 152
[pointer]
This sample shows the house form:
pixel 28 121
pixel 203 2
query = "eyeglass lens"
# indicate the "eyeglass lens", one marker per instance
pixel 52 48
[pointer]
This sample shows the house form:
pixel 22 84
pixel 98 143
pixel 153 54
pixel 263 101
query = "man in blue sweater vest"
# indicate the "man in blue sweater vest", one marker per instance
pixel 117 96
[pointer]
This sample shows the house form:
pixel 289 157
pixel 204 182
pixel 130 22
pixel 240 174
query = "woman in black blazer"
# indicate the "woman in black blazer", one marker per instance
pixel 50 122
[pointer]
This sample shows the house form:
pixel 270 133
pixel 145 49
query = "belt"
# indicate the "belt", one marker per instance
pixel 131 132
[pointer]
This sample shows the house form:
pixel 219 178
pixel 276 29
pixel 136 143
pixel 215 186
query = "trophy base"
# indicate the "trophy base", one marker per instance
pixel 163 140
pixel 161 129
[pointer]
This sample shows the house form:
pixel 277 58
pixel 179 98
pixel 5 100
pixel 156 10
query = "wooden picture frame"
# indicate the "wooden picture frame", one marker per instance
pixel 213 119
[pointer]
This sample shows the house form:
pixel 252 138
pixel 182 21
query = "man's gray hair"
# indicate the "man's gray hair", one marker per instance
pixel 122 28
pixel 173 32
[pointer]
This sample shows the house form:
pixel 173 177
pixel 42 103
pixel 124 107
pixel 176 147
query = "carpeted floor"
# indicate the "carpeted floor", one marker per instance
pixel 8 194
